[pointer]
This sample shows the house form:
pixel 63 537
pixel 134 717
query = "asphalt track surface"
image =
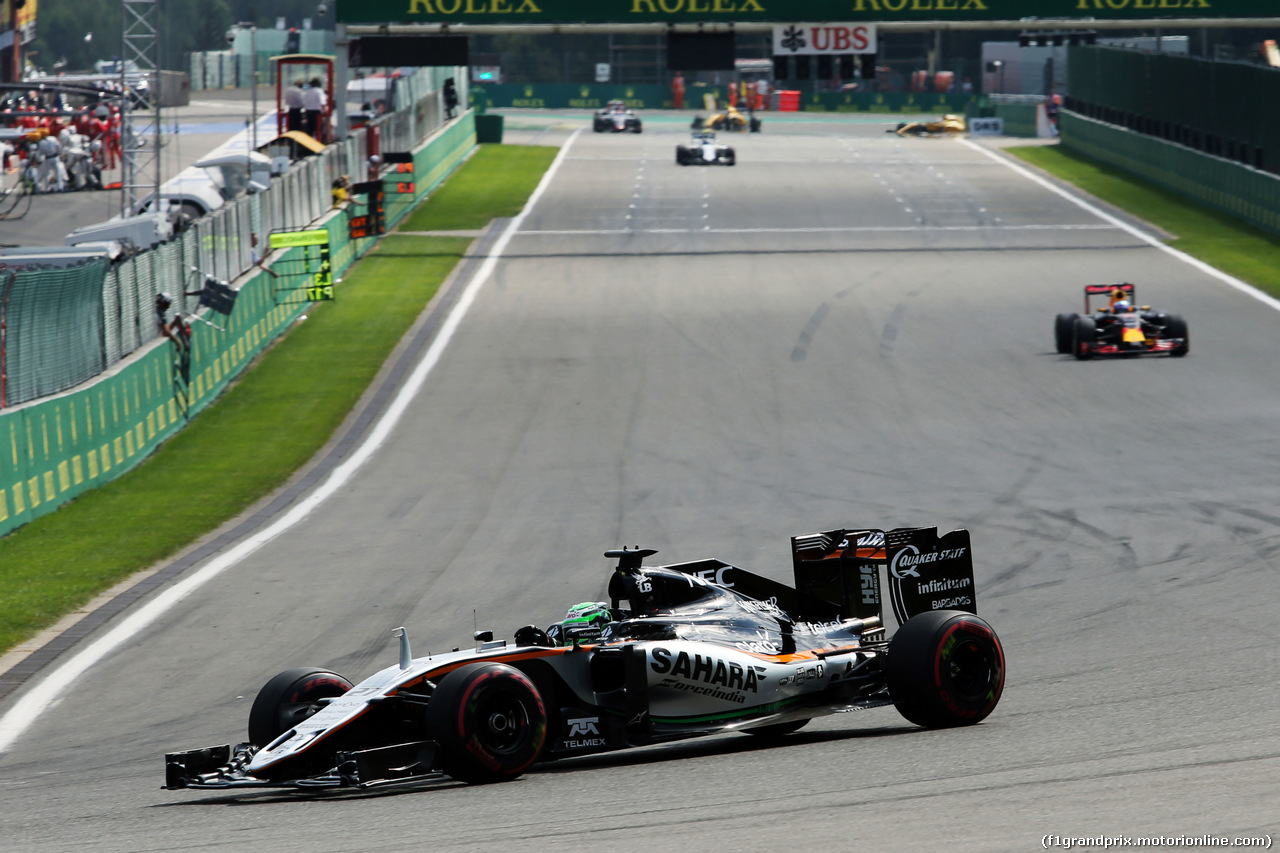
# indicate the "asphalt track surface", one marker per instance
pixel 846 328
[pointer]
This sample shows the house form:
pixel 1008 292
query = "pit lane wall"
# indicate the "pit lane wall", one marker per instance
pixel 1244 192
pixel 560 96
pixel 55 449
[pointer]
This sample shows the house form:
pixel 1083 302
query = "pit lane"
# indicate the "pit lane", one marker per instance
pixel 844 328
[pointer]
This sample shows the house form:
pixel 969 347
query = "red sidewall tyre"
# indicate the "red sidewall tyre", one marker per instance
pixel 289 698
pixel 945 668
pixel 489 721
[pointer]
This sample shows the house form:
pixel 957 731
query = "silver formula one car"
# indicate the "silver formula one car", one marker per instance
pixel 703 150
pixel 700 648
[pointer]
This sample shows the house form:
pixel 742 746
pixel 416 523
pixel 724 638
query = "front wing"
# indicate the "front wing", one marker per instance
pixel 1150 346
pixel 226 767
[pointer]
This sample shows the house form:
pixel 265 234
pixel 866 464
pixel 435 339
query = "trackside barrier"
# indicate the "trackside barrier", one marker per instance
pixel 55 449
pixel 1220 108
pixel 648 97
pixel 1248 194
pixel 223 244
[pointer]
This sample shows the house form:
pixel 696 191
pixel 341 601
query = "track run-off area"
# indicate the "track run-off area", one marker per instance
pixel 846 328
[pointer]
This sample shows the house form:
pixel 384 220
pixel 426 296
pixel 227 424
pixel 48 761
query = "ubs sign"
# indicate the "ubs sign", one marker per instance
pixel 816 39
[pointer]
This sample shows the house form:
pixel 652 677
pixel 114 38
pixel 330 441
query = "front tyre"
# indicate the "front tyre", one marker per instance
pixel 489 720
pixel 1063 329
pixel 1085 335
pixel 289 698
pixel 945 668
pixel 729 157
pixel 1176 327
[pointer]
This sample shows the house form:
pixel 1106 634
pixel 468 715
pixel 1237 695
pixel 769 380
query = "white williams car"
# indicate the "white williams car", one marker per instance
pixel 703 150
pixel 700 648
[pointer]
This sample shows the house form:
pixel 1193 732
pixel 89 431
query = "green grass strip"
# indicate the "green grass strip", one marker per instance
pixel 253 438
pixel 503 178
pixel 1218 239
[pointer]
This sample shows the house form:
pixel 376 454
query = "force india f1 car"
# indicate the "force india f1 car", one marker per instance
pixel 1121 328
pixel 616 118
pixel 703 150
pixel 701 648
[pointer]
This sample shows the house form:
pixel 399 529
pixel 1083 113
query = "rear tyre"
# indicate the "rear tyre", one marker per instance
pixel 489 721
pixel 777 730
pixel 729 157
pixel 945 668
pixel 682 155
pixel 289 698
pixel 1084 337
pixel 1176 327
pixel 1063 329
pixel 755 125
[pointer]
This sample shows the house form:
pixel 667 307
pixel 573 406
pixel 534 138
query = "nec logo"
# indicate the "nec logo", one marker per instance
pixel 584 726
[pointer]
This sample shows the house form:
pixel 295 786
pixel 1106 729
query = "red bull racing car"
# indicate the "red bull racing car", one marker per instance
pixel 679 651
pixel 1119 328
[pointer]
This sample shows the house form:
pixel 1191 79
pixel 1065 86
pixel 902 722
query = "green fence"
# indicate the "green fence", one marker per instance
pixel 1241 191
pixel 52 329
pixel 563 96
pixel 53 450
pixel 1019 119
pixel 555 96
pixel 1221 108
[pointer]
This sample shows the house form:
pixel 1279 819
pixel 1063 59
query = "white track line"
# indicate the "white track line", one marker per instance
pixel 55 685
pixel 846 229
pixel 1200 265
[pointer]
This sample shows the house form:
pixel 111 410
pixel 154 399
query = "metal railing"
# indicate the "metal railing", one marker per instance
pixel 222 244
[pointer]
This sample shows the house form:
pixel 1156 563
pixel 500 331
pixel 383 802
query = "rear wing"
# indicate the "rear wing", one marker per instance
pixel 925 572
pixel 1125 289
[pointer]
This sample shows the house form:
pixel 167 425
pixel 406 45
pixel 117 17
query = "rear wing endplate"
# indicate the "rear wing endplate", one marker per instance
pixel 925 572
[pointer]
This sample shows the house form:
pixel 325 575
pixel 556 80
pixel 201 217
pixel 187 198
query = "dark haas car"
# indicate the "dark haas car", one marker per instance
pixel 1120 327
pixel 616 118
pixel 700 648
pixel 703 150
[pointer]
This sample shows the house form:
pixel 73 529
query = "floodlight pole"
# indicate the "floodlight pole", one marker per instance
pixel 253 81
pixel 340 74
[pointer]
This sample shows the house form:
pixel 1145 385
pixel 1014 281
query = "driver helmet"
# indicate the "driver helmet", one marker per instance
pixel 588 614
pixel 591 615
pixel 1121 306
pixel 163 301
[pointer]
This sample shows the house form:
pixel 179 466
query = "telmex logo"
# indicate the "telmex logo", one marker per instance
pixel 584 726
